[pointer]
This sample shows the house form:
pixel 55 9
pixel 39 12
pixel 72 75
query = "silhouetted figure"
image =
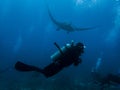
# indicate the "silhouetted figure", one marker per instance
pixel 106 81
pixel 66 56
pixel 111 78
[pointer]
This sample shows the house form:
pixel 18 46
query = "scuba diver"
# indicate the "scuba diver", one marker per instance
pixel 104 81
pixel 111 78
pixel 96 76
pixel 107 81
pixel 64 57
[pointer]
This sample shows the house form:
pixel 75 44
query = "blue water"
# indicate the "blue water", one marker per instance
pixel 27 34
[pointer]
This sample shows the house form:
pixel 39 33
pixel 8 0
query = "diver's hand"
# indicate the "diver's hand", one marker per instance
pixel 76 63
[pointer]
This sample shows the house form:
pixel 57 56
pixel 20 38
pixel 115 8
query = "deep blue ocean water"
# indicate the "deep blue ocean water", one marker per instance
pixel 27 34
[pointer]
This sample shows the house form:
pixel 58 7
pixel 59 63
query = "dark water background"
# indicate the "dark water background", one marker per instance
pixel 27 34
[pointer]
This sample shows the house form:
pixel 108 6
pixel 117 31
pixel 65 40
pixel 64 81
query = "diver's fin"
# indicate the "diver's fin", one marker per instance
pixel 24 67
pixel 82 29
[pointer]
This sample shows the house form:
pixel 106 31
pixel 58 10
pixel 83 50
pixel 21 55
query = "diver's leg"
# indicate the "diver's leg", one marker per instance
pixel 52 69
pixel 48 71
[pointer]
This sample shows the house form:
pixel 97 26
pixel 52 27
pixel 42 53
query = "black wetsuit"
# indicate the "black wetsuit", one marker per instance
pixel 71 56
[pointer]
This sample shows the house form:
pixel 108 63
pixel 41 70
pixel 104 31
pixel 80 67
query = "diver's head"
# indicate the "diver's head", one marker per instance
pixel 80 47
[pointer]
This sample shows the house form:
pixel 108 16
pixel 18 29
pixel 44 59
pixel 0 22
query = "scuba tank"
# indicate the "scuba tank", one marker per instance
pixel 61 51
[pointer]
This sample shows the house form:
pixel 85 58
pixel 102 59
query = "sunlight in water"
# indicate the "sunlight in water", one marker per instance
pixel 114 33
pixel 88 3
pixel 79 2
pixel 18 44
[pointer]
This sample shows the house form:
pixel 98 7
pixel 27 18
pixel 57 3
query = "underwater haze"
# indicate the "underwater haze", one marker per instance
pixel 27 34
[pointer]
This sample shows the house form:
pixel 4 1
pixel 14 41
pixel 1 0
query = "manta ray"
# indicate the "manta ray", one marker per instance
pixel 66 26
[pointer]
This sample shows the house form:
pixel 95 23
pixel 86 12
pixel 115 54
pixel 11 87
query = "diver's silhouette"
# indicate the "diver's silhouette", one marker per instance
pixel 111 78
pixel 106 81
pixel 66 56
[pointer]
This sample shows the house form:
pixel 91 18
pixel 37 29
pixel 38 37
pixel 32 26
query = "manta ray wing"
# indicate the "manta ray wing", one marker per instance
pixel 82 29
pixel 52 18
pixel 65 26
